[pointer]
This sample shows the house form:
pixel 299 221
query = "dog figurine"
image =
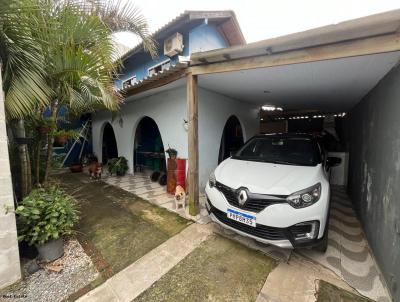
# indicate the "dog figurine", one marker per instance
pixel 180 197
pixel 95 170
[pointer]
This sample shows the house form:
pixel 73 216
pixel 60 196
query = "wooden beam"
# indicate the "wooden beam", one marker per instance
pixel 361 47
pixel 193 143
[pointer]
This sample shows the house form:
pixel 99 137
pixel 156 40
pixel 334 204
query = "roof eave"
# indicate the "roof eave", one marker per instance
pixel 188 16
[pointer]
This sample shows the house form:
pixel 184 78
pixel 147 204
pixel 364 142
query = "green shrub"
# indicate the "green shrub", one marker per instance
pixel 67 133
pixel 118 165
pixel 45 215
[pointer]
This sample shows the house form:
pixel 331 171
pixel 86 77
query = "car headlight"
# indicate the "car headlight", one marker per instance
pixel 306 197
pixel 211 180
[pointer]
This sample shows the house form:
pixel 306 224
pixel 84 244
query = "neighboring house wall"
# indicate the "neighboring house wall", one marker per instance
pixel 167 109
pixel 374 173
pixel 214 111
pixel 9 254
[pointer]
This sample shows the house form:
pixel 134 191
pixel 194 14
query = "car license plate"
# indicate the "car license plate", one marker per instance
pixel 241 217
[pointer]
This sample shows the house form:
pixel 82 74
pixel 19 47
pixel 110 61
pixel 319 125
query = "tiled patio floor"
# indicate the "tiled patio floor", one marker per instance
pixel 141 185
pixel 348 254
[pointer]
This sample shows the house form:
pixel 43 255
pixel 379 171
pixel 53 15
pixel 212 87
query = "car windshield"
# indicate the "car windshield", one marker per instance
pixel 300 151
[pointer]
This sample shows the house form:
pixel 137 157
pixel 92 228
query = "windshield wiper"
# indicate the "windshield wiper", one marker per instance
pixel 281 162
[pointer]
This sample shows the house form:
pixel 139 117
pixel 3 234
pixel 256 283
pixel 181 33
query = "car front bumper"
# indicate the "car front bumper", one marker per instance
pixel 275 223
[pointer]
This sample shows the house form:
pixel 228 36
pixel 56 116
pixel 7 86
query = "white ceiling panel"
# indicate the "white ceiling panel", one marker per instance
pixel 332 85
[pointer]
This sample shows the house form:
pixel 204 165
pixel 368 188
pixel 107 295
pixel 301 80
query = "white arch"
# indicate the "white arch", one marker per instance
pixel 133 137
pixel 223 130
pixel 100 141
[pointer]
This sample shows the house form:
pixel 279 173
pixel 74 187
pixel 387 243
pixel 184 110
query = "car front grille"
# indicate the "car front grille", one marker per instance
pixel 261 231
pixel 252 204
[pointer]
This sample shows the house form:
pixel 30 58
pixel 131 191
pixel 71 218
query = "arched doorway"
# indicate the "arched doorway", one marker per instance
pixel 232 138
pixel 148 149
pixel 109 147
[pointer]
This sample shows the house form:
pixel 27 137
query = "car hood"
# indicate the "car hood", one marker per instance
pixel 267 178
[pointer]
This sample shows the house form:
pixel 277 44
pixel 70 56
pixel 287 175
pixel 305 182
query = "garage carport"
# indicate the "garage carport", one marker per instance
pixel 349 67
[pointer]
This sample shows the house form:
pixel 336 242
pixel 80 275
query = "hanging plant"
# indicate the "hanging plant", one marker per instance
pixel 62 136
pixel 45 125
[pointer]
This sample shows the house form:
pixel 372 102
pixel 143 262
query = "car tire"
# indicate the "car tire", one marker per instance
pixel 323 244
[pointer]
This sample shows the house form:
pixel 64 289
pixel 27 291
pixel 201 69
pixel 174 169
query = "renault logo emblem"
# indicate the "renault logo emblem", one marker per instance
pixel 242 197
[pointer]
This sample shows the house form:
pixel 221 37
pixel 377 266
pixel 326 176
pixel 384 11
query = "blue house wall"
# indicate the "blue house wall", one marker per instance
pixel 205 37
pixel 200 38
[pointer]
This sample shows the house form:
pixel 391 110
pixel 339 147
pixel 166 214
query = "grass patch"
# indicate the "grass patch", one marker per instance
pixel 218 270
pixel 119 225
pixel 328 292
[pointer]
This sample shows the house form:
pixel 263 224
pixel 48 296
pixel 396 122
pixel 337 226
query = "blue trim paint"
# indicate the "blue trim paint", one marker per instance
pixel 200 38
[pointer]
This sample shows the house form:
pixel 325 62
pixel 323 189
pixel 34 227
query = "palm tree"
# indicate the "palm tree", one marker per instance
pixel 80 65
pixel 21 58
pixel 22 70
pixel 57 53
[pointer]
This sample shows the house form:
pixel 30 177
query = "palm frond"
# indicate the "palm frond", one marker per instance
pixel 120 16
pixel 22 61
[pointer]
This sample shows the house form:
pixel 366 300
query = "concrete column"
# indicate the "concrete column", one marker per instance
pixel 9 254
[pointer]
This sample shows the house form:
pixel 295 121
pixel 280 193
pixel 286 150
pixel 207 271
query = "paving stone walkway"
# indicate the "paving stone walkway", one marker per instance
pixel 139 276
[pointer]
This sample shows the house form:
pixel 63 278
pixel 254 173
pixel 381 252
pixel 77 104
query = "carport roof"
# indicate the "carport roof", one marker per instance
pixel 370 26
pixel 327 69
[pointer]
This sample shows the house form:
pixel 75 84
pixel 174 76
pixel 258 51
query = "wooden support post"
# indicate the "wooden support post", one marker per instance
pixel 193 143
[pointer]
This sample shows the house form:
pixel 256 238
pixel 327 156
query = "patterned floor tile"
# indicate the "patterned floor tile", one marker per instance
pixel 348 254
pixel 141 185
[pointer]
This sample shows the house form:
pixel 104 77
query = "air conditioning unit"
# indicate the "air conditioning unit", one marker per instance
pixel 173 45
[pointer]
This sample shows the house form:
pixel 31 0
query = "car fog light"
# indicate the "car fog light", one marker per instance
pixel 305 230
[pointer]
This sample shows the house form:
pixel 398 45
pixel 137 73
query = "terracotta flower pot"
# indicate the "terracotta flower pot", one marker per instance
pixel 44 130
pixel 76 168
pixel 61 140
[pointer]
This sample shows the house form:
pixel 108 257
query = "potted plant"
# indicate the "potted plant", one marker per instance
pixel 43 218
pixel 45 125
pixel 172 153
pixel 118 166
pixel 61 136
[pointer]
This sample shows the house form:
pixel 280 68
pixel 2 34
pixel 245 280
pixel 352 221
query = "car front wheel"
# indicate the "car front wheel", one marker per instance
pixel 323 244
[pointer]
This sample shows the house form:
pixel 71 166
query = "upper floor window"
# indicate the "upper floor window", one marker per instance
pixel 159 67
pixel 129 82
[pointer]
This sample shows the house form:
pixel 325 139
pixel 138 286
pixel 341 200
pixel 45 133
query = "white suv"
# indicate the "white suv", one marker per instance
pixel 275 190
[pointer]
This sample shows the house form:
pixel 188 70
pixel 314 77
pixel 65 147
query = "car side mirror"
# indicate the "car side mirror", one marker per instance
pixel 333 161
